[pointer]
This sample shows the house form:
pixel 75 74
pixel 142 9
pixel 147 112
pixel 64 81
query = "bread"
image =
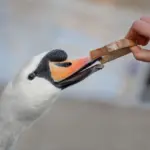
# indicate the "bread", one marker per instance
pixel 113 50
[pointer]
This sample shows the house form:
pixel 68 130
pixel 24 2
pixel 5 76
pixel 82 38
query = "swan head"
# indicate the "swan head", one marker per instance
pixel 53 71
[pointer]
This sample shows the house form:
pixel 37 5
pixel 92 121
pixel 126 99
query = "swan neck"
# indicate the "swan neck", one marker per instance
pixel 9 134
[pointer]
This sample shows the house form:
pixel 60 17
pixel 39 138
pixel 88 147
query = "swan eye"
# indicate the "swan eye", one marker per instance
pixel 31 76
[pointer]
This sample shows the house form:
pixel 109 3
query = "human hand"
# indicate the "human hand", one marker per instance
pixel 140 33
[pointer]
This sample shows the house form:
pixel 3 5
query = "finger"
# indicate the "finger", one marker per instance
pixel 142 28
pixel 141 40
pixel 145 18
pixel 141 54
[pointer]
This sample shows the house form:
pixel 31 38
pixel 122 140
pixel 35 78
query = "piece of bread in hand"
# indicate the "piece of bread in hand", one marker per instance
pixel 113 50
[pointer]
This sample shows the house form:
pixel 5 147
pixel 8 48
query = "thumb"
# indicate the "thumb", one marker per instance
pixel 141 54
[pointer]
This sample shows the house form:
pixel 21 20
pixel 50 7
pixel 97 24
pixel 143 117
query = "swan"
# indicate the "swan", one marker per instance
pixel 34 89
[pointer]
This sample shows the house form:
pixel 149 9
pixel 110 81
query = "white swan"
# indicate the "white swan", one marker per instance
pixel 35 88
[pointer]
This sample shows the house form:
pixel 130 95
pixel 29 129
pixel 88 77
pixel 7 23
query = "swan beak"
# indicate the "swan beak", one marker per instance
pixel 63 70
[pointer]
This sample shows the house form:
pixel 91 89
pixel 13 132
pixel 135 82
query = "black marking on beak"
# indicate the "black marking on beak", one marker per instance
pixel 57 55
pixel 64 64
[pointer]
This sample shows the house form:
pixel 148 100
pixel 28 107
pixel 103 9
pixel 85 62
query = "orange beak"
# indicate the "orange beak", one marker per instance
pixel 59 73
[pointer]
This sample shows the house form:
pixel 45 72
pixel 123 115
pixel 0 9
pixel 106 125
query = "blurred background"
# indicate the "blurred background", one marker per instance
pixel 107 111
